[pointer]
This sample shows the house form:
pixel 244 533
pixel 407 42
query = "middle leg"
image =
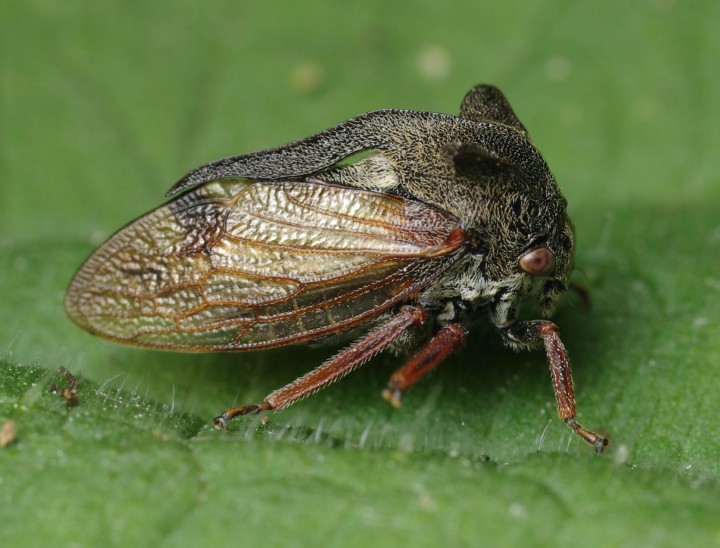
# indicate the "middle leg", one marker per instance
pixel 445 342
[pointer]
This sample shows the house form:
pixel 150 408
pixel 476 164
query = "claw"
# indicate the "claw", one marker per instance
pixel 394 396
pixel 221 422
pixel 597 441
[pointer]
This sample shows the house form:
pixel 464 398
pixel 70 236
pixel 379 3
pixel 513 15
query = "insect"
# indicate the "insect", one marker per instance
pixel 68 393
pixel 441 219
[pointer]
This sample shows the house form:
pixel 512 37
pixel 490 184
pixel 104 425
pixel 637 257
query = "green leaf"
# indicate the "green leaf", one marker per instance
pixel 105 105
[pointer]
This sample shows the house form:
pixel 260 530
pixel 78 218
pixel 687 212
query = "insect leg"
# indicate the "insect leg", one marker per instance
pixel 336 367
pixel 526 333
pixel 445 342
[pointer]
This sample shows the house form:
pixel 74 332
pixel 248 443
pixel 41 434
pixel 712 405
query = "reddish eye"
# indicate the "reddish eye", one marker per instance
pixel 538 262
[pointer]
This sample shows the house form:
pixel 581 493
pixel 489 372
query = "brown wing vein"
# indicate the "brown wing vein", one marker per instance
pixel 306 334
pixel 354 233
pixel 323 211
pixel 141 287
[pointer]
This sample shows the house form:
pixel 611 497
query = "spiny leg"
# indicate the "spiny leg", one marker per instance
pixel 336 367
pixel 448 339
pixel 530 332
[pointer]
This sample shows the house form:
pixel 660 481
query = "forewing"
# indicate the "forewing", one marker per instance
pixel 235 264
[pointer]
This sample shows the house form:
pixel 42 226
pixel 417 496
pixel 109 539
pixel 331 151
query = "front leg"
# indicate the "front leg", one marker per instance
pixel 530 333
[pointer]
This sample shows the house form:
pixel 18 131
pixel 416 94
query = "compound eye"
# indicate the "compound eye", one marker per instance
pixel 538 262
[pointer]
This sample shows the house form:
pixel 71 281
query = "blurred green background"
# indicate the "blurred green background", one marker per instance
pixel 105 105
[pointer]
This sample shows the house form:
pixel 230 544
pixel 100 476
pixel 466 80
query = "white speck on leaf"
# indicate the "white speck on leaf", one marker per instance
pixel 434 62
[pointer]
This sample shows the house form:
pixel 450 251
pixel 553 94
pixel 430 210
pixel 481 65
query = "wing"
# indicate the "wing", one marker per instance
pixel 235 265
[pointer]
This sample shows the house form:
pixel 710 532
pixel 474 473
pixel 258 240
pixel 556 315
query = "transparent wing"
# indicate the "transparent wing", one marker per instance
pixel 235 264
